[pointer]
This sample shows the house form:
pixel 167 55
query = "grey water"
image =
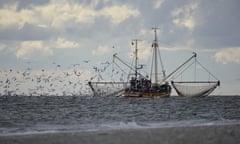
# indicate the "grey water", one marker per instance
pixel 40 114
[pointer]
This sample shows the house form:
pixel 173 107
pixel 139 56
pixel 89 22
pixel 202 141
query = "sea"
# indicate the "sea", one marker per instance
pixel 52 114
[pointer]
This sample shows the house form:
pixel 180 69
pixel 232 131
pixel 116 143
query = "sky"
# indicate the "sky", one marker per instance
pixel 58 35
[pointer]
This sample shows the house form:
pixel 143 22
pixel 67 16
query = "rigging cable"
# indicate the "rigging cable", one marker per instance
pixel 207 70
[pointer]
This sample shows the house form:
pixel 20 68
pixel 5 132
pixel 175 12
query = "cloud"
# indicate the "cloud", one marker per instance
pixel 184 16
pixel 27 32
pixel 218 24
pixel 29 49
pixel 10 16
pixel 2 46
pixel 36 28
pixel 63 43
pixel 101 50
pixel 158 3
pixel 118 14
pixel 57 14
pixel 176 48
pixel 228 55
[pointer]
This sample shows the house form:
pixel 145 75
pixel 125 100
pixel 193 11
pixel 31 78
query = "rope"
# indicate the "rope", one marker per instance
pixel 207 70
pixel 120 68
pixel 195 71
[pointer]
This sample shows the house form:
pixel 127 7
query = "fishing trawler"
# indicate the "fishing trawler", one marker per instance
pixel 139 85
pixel 143 86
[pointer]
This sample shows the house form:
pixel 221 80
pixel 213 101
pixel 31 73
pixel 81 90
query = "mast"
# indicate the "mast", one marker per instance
pixel 135 42
pixel 156 52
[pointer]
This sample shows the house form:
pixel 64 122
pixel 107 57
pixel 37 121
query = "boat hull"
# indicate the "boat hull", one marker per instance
pixel 136 94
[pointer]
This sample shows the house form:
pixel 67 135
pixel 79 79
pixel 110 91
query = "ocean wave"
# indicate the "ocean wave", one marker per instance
pixel 45 129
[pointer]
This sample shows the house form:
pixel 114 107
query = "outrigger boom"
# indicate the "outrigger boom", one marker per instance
pixel 188 60
pixel 129 66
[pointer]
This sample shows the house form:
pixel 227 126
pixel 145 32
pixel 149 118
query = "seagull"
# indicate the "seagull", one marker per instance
pixel 107 63
pixel 77 74
pixel 74 65
pixel 86 61
pixel 95 68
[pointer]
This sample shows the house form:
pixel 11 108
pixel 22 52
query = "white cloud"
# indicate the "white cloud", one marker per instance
pixel 186 22
pixel 56 14
pixel 63 43
pixel 118 14
pixel 9 16
pixel 158 3
pixel 176 48
pixel 228 55
pixel 28 49
pixel 2 46
pixel 184 16
pixel 101 50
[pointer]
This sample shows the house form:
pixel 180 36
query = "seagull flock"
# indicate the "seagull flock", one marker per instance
pixel 51 82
